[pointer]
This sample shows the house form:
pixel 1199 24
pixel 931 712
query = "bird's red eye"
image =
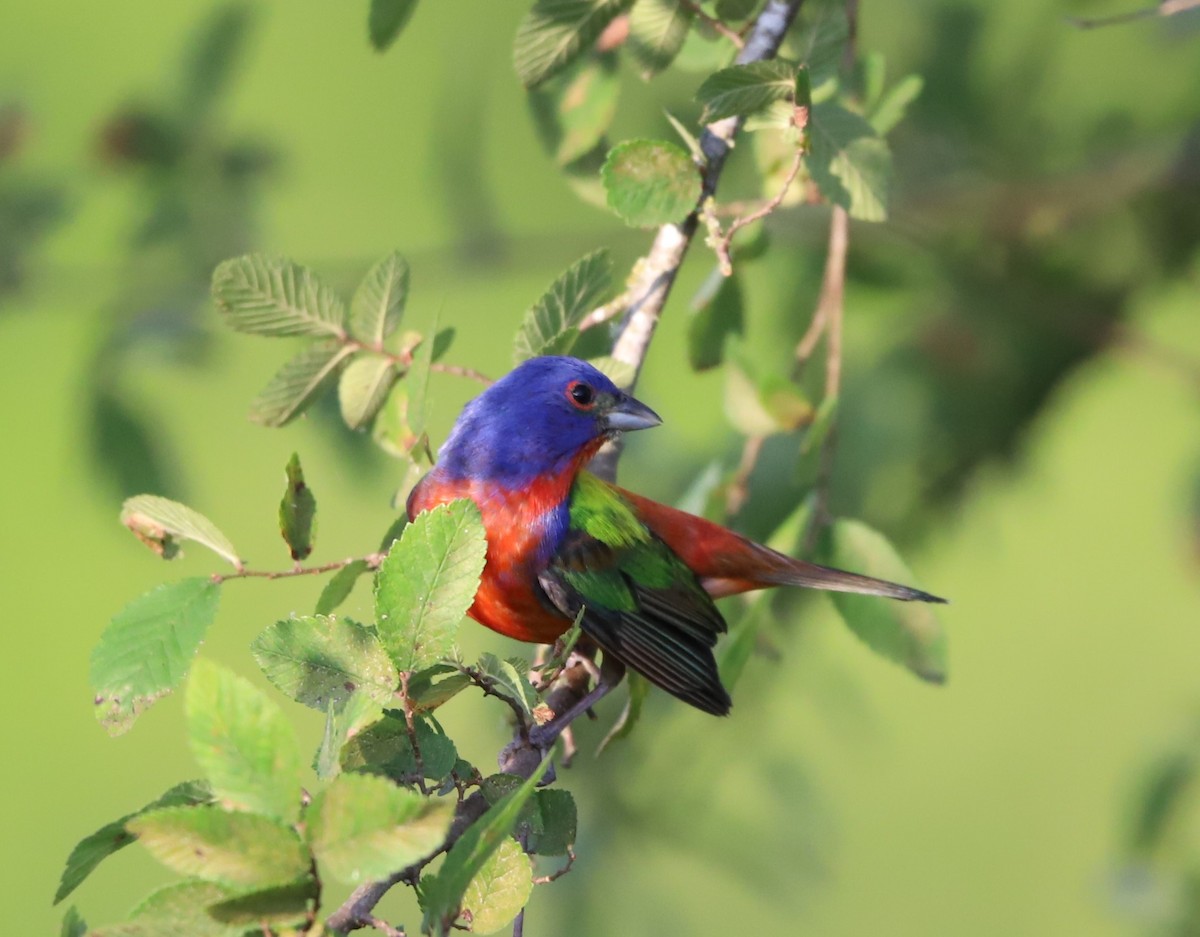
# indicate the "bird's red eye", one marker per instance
pixel 581 394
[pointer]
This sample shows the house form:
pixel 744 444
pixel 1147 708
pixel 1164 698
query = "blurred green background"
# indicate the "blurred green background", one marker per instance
pixel 1020 412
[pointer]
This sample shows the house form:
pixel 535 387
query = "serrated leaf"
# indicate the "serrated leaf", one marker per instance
pixel 73 924
pixel 619 372
pixel 442 894
pixel 551 324
pixel 339 586
pixel 851 166
pixel 741 90
pixel 427 583
pixel 650 182
pixel 235 849
pixel 322 660
pixel 378 303
pixel 426 693
pixel 908 633
pixel 157 521
pixel 90 851
pixel 657 30
pixel 364 827
pixel 573 112
pixel 364 387
pixel 507 681
pixel 639 688
pixel 272 296
pixel 558 820
pixel 716 314
pixel 499 890
pixel 181 908
pixel 387 20
pixel 278 905
pixel 556 32
pixel 343 723
pixel 894 104
pixel 243 743
pixel 385 747
pixel 147 648
pixel 297 511
pixel 296 385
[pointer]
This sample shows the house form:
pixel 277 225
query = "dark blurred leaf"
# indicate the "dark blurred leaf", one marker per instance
pixel 1164 790
pixel 763 405
pixel 735 9
pixel 894 104
pixel 385 747
pixel 364 827
pixel 90 851
pixel 127 446
pixel 158 521
pixel 363 388
pixel 321 660
pixel 850 165
pixel 418 382
pixel 716 314
pixel 744 89
pixel 556 32
pixel 272 296
pixel 639 688
pixel 650 182
pixel 339 586
pixel 550 326
pixel 296 385
pixel 378 303
pixel 243 743
pixel 235 849
pixel 442 894
pixel 573 112
pixel 499 890
pixel 282 904
pixel 297 511
pixel 908 633
pixel 210 61
pixel 823 41
pixel 427 583
pixel 147 648
pixel 507 681
pixel 73 924
pixel 657 29
pixel 387 20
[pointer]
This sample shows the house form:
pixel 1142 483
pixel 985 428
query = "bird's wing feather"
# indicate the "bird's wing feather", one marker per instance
pixel 641 602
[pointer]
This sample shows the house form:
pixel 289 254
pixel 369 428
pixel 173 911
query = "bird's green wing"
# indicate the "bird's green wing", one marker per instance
pixel 641 602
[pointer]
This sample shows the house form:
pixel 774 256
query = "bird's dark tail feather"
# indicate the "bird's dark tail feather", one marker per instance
pixel 786 571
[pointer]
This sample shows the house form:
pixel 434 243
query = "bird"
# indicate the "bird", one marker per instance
pixel 640 576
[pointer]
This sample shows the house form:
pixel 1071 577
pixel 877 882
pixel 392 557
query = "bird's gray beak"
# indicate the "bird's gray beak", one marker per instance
pixel 629 414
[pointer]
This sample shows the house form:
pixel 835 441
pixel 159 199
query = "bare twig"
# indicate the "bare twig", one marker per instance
pixel 383 926
pixel 558 873
pixel 488 686
pixel 722 244
pixel 655 274
pixel 372 561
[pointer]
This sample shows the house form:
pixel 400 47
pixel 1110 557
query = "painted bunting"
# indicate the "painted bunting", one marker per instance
pixel 560 539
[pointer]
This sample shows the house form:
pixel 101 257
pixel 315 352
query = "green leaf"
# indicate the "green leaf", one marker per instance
pixel 657 30
pixel 387 20
pixel 73 924
pixel 823 44
pixel 364 387
pixel 499 890
pixel 378 303
pixel 551 325
pixel 639 689
pixel 296 385
pixel 507 681
pixel 894 104
pixel 688 138
pixel 426 694
pixel 385 747
pixel 765 407
pixel 297 511
pixel 339 586
pixel 619 372
pixel 908 633
pixel 732 10
pixel 211 58
pixel 556 32
pixel 851 166
pixel 650 182
pixel 427 583
pixel 736 651
pixel 243 743
pixel 1163 792
pixel 573 112
pixel 442 894
pixel 180 909
pixel 741 90
pixel 343 723
pixel 147 648
pixel 557 818
pixel 280 904
pixel 716 314
pixel 322 660
pixel 90 851
pixel 418 382
pixel 271 296
pixel 236 849
pixel 365 827
pixel 157 522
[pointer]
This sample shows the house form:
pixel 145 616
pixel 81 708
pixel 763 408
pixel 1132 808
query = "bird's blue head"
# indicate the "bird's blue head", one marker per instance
pixel 536 420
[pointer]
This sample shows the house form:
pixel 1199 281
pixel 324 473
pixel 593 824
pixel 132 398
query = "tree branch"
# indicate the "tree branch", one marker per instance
pixel 655 274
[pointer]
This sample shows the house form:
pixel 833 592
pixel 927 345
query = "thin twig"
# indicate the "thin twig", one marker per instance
pixel 558 873
pixel 723 244
pixel 459 371
pixel 383 926
pixel 372 561
pixel 716 24
pixel 411 726
pixel 488 685
pixel 739 487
